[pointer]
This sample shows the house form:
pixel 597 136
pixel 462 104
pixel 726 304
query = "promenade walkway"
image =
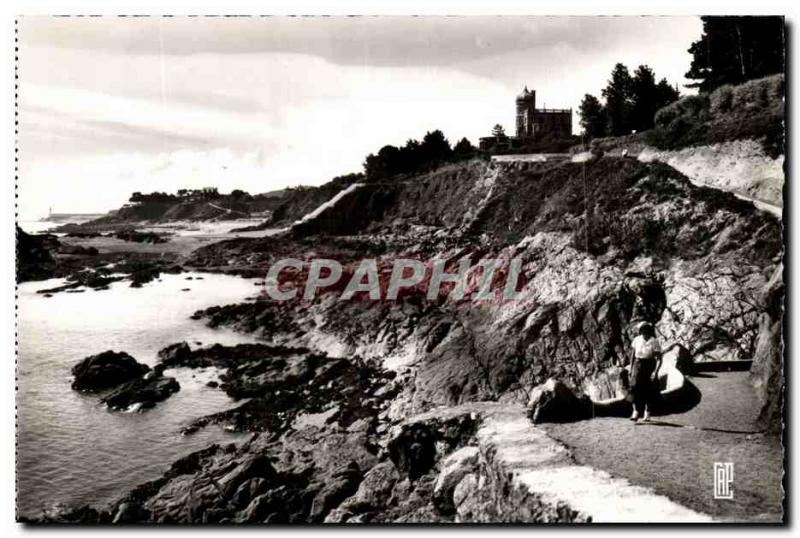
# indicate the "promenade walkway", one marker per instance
pixel 674 455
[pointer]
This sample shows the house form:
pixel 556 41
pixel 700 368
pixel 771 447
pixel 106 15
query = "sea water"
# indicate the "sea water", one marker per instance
pixel 70 448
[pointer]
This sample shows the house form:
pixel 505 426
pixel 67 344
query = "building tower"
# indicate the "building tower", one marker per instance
pixel 526 108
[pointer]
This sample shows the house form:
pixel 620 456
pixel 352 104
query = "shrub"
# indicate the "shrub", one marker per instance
pixel 691 106
pixel 753 110
pixel 681 132
pixel 777 87
pixel 695 106
pixel 751 94
pixel 666 115
pixel 721 100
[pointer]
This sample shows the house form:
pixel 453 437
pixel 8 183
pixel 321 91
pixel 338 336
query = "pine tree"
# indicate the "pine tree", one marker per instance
pixel 618 101
pixel 593 116
pixel 463 149
pixel 435 147
pixel 735 49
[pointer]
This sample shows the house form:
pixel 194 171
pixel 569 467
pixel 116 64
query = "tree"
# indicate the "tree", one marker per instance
pixel 618 101
pixel 648 97
pixel 464 149
pixel 384 164
pixel 498 131
pixel 593 116
pixel 435 147
pixel 413 156
pixel 732 50
pixel 631 103
pixel 239 194
pixel 644 101
pixel 410 156
pixel 666 94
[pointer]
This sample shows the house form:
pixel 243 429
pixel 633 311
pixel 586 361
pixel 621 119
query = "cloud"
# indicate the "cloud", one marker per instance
pixel 99 183
pixel 295 129
pixel 262 104
pixel 376 41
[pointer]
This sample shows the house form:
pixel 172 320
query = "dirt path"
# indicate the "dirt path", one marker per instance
pixel 675 454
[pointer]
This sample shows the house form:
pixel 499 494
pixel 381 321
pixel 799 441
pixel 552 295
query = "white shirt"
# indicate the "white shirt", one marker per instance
pixel 645 349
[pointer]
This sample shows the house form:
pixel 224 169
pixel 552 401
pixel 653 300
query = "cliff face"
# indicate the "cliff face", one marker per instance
pixel 656 248
pixel 767 371
pixel 334 400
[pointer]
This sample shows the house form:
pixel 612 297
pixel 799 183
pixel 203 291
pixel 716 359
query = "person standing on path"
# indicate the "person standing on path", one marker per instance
pixel 644 371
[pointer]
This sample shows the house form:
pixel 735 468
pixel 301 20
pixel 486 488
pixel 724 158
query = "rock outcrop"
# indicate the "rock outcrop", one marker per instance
pixel 767 371
pixel 106 370
pixel 602 245
pixel 35 256
pixel 553 401
pixel 142 393
pixel 125 384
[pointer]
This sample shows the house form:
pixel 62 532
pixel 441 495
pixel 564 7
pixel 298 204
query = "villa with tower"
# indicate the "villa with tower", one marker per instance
pixel 534 125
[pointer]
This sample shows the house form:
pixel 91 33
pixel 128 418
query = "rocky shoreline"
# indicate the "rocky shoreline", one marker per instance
pixel 333 396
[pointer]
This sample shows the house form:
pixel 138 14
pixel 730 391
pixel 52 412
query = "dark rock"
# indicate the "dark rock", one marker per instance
pixel 378 484
pixel 249 490
pixel 77 250
pixel 143 276
pixel 766 372
pixel 339 485
pixel 145 391
pixel 84 235
pixel 553 401
pixel 95 279
pixel 35 256
pixel 175 354
pixel 106 370
pixel 130 512
pixel 455 467
pixel 84 515
pixel 141 237
pixel 283 504
pixel 417 446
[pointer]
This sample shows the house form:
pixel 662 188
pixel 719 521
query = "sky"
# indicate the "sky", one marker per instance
pixel 112 105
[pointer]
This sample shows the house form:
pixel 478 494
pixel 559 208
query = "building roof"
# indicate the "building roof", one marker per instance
pixel 525 94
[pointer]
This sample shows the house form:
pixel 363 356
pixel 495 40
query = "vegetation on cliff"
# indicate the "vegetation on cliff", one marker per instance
pixel 653 240
pixel 415 157
pixel 753 110
pixel 603 244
